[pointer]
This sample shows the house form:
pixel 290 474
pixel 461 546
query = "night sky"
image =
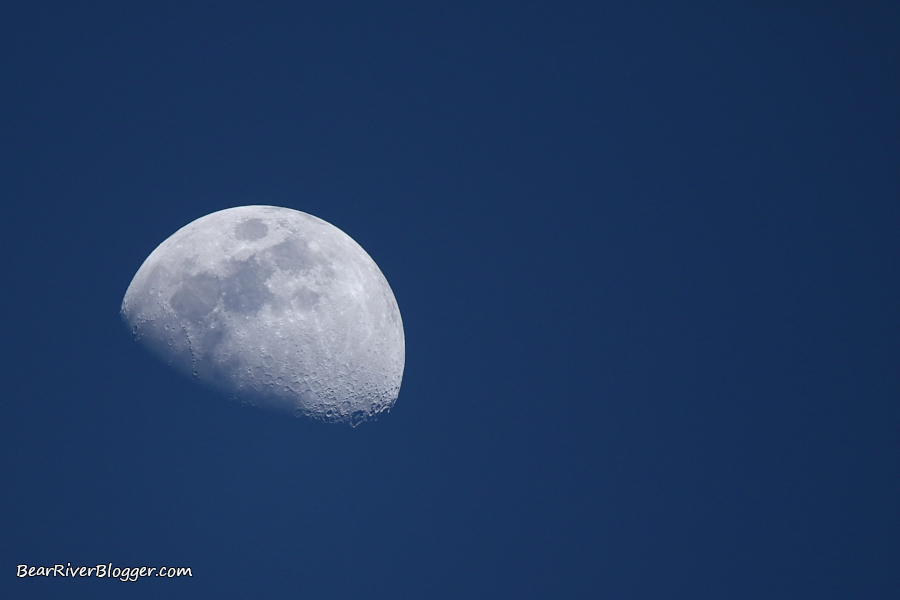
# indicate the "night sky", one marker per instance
pixel 647 256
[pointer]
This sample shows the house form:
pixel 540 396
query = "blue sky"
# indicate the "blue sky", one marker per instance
pixel 646 257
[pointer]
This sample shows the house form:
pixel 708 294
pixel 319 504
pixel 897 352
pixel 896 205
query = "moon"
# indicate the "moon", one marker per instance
pixel 273 307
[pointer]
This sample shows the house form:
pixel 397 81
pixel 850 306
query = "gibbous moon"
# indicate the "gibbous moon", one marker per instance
pixel 274 307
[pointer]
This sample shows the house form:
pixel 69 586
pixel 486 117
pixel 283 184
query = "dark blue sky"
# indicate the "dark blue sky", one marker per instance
pixel 646 256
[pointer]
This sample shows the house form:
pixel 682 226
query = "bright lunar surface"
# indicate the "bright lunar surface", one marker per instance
pixel 275 307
